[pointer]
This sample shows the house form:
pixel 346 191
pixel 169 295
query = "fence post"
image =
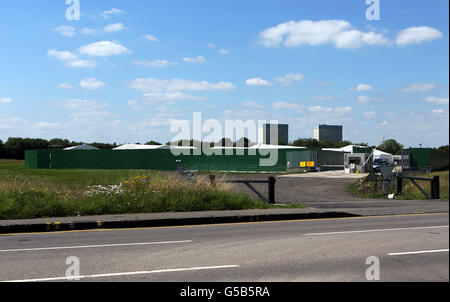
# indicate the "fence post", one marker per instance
pixel 435 194
pixel 212 179
pixel 399 185
pixel 271 190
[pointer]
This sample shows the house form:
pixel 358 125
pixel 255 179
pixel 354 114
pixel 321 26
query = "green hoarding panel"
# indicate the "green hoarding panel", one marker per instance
pixel 420 158
pixel 151 160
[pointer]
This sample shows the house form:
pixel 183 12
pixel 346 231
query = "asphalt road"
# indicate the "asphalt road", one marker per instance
pixel 408 247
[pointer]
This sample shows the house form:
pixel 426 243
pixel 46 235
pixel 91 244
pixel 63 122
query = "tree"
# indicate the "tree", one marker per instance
pixel 306 142
pixel 2 155
pixel 153 143
pixel 225 142
pixel 391 146
pixel 242 142
pixel 441 148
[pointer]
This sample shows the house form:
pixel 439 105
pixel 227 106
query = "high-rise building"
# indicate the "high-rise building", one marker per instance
pixel 282 130
pixel 328 133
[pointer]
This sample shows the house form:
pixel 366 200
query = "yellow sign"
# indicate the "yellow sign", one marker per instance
pixel 302 164
pixel 310 164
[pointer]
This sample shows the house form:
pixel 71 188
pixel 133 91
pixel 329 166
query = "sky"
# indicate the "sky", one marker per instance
pixel 125 71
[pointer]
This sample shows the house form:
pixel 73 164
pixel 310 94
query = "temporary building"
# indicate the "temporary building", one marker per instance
pixel 82 147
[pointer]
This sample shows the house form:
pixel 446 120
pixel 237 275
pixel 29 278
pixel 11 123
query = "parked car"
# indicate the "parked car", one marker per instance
pixel 380 162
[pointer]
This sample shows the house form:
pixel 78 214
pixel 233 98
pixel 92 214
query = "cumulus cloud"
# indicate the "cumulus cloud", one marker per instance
pixel 418 87
pixel 176 85
pixel 66 86
pixel 151 38
pixel 152 97
pixel 5 100
pixel 70 59
pixel 67 31
pixel 436 100
pixel 155 63
pixel 289 106
pixel 197 60
pixel 417 35
pixel 289 79
pixel 258 82
pixel 81 104
pixel 103 49
pixel 364 87
pixel 115 27
pixel 339 33
pixel 370 114
pixel 92 84
pixel 112 12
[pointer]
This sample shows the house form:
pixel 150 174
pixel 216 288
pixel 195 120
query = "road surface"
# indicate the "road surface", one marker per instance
pixel 408 247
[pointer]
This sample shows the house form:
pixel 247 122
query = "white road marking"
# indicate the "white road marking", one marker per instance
pixel 92 246
pixel 418 252
pixel 128 273
pixel 377 230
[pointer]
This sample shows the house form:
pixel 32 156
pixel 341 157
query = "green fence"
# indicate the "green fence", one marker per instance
pixel 322 159
pixel 428 159
pixel 162 160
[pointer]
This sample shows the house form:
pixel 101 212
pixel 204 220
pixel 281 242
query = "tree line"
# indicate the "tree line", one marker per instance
pixel 15 147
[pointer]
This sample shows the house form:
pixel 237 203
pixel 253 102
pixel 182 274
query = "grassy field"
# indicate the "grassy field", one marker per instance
pixel 410 192
pixel 28 194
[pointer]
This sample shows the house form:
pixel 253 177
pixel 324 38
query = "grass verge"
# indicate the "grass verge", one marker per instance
pixel 410 191
pixel 27 194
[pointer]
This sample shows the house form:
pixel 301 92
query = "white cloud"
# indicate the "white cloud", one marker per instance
pixel 70 59
pixel 438 111
pixel 365 99
pixel 66 86
pixel 289 79
pixel 91 84
pixel 82 64
pixel 211 45
pixel 368 99
pixel 80 104
pixel 258 82
pixel 176 85
pixel 151 38
pixel 67 31
pixel 134 105
pixel 305 32
pixel 416 35
pixel 418 87
pixel 155 63
pixel 252 104
pixel 435 100
pixel 370 114
pixel 335 111
pixel 322 98
pixel 289 106
pixel 45 125
pixel 62 55
pixel 223 51
pixel 114 27
pixel 5 100
pixel 152 97
pixel 103 49
pixel 197 60
pixel 112 12
pixel 364 87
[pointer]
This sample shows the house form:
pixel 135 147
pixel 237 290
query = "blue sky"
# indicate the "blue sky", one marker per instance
pixel 127 68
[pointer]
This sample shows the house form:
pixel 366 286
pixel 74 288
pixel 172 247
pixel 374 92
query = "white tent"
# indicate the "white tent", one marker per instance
pixel 150 147
pixel 82 147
